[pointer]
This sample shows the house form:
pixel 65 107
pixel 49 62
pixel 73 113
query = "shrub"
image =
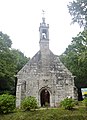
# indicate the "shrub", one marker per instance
pixel 85 102
pixel 29 103
pixel 7 103
pixel 76 102
pixel 68 103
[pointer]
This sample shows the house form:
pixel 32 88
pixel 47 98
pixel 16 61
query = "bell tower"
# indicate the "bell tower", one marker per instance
pixel 44 34
pixel 44 44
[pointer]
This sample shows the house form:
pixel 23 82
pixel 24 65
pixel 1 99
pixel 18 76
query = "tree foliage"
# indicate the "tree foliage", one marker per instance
pixel 75 58
pixel 20 59
pixel 5 42
pixel 11 61
pixel 78 11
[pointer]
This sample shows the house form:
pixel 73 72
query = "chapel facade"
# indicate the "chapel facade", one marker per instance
pixel 44 76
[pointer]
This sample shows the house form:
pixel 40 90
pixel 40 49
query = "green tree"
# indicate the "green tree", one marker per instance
pixel 7 63
pixel 75 58
pixel 11 61
pixel 21 60
pixel 5 42
pixel 78 11
pixel 7 71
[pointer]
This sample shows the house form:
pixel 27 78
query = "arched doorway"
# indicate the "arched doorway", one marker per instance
pixel 45 97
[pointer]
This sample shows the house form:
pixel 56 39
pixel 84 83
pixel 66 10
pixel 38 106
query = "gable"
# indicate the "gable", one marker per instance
pixel 35 65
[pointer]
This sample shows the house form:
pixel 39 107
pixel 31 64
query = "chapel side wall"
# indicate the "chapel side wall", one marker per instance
pixel 18 95
pixel 20 90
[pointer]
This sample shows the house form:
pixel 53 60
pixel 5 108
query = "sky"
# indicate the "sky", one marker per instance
pixel 20 19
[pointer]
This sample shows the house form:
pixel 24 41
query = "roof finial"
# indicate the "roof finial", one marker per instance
pixel 43 18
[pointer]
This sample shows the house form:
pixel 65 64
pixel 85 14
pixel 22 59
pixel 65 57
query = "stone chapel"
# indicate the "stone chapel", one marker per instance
pixel 44 76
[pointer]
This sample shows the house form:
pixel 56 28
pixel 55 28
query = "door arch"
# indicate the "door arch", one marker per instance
pixel 44 97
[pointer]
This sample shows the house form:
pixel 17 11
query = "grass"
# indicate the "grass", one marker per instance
pixel 48 114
